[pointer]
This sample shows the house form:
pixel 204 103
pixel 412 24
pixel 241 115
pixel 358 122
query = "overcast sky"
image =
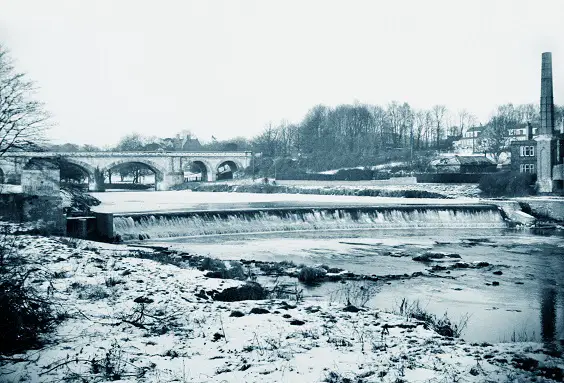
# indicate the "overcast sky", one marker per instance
pixel 107 68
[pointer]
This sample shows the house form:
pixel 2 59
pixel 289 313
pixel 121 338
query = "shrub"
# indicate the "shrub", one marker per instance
pixel 111 366
pixel 355 293
pixel 217 269
pixel 26 312
pixel 443 326
pixel 507 184
pixel 91 292
pixel 310 275
pixel 236 271
pixel 248 291
pixel 212 264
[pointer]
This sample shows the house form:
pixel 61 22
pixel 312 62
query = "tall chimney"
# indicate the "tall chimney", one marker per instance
pixel 545 138
pixel 529 131
pixel 547 99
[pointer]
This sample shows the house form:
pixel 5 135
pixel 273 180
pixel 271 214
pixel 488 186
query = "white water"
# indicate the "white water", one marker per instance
pixel 198 224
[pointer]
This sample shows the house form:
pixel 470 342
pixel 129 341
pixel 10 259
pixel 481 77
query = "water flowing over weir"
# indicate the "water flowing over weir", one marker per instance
pixel 180 224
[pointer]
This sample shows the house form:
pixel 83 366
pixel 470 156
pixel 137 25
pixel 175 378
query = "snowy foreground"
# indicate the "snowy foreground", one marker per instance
pixel 150 322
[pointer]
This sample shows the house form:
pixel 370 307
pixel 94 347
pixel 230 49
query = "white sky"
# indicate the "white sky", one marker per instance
pixel 107 68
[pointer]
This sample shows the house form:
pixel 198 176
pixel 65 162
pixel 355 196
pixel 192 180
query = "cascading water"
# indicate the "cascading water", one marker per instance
pixel 232 222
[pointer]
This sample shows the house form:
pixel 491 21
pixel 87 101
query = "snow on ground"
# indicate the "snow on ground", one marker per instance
pixel 397 183
pixel 176 336
pixel 10 189
pixel 375 167
pixel 127 202
pixel 402 183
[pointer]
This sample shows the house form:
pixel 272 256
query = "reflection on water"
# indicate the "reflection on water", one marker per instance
pixel 529 268
pixel 548 314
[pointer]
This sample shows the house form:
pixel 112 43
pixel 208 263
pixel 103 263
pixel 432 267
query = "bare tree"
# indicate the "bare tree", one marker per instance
pixel 495 138
pixel 528 113
pixel 394 121
pixel 465 120
pixel 22 118
pixel 131 143
pixel 423 123
pixel 439 112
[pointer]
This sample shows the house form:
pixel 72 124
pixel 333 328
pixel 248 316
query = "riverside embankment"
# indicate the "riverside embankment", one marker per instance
pixel 139 316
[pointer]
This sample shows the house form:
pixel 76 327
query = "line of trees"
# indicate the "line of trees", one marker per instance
pixel 357 135
pixel 351 135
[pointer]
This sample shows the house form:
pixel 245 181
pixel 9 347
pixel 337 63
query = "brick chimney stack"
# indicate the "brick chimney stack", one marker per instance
pixel 545 137
pixel 547 98
pixel 529 131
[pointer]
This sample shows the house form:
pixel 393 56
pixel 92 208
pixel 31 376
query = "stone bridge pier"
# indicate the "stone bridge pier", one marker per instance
pixel 168 167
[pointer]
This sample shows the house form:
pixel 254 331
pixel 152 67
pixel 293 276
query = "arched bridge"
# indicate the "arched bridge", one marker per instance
pixel 169 167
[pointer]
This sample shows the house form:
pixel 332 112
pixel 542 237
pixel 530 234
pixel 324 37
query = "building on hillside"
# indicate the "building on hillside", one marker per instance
pixel 469 141
pixel 522 132
pixel 464 164
pixel 191 145
pixel 186 144
pixel 152 147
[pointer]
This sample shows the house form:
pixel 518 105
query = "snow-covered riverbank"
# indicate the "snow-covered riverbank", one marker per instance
pixel 154 321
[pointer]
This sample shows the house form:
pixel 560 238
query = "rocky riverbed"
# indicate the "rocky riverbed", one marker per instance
pixel 141 314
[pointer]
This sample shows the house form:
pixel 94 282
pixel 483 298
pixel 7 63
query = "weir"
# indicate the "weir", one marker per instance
pixel 197 223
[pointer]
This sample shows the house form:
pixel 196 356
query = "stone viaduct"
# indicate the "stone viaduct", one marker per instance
pixel 168 167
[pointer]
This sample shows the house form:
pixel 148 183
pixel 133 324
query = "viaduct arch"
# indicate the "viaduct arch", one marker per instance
pixel 168 167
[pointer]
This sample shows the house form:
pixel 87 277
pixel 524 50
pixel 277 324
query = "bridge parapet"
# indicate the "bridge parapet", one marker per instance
pixel 129 154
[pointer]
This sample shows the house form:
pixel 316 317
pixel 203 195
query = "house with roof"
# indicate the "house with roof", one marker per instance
pixel 469 141
pixel 522 132
pixel 524 153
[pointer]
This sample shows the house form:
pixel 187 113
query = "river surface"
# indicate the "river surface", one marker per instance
pixel 528 303
pixel 525 303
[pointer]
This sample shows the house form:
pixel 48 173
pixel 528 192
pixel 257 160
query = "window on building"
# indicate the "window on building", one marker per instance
pixel 527 151
pixel 527 168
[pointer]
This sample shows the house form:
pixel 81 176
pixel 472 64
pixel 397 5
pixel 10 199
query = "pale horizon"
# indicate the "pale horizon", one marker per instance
pixel 106 69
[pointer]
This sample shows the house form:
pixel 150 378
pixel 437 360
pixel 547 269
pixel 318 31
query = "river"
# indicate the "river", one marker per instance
pixel 525 303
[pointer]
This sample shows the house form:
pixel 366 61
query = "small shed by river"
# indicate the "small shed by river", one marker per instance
pixel 464 164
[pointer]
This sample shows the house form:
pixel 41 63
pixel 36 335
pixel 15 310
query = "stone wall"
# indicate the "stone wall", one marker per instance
pixel 546 207
pixel 39 203
pixel 11 207
pixel 45 212
pixel 43 182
